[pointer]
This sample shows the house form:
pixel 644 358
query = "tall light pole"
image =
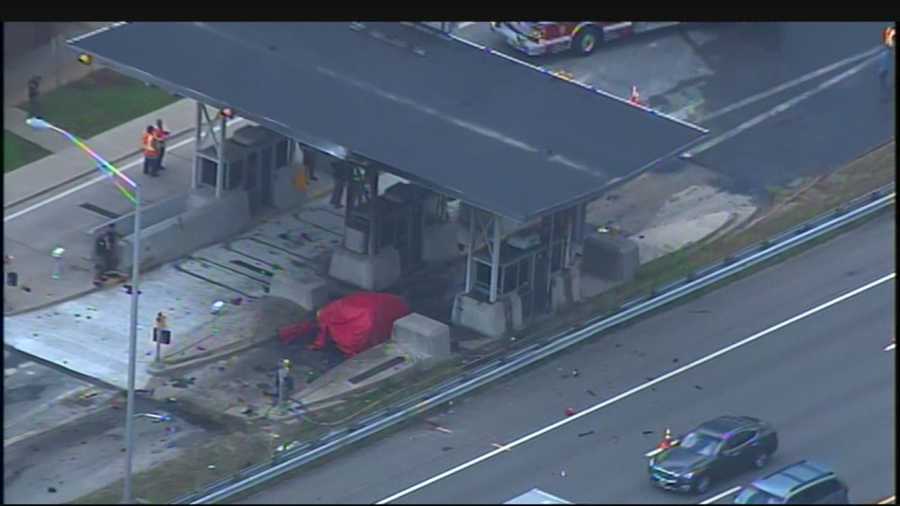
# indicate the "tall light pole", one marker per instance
pixel 135 198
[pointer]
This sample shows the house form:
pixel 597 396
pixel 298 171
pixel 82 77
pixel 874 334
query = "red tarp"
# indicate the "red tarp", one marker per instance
pixel 359 321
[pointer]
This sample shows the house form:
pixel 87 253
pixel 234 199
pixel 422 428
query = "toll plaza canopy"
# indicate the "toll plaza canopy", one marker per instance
pixel 458 119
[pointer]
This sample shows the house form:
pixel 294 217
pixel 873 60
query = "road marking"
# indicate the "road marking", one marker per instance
pixel 639 388
pixel 465 24
pixel 778 109
pixel 723 494
pixel 97 179
pixel 789 84
pixel 889 347
pixel 888 500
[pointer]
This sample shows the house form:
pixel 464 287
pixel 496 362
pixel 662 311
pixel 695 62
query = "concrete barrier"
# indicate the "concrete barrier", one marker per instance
pixel 198 227
pixel 423 338
pixel 150 215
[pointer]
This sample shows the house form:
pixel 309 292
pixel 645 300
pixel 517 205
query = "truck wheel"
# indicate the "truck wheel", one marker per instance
pixel 587 40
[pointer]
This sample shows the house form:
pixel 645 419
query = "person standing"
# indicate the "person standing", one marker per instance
pixel 34 85
pixel 342 174
pixel 161 135
pixel 151 152
pixel 111 259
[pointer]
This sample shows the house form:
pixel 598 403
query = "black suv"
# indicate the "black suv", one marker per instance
pixel 718 448
pixel 802 483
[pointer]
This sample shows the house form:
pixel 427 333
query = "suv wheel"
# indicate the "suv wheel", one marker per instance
pixel 761 460
pixel 702 484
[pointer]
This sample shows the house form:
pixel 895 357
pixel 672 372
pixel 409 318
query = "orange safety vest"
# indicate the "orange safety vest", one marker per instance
pixel 888 36
pixel 150 150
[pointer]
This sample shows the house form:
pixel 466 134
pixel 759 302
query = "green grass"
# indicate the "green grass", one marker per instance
pixel 18 151
pixel 100 101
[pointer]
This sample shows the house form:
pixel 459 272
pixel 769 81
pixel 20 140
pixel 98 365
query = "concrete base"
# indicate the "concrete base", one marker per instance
pixel 199 226
pixel 422 338
pixel 367 272
pixel 493 320
pixel 610 256
pixel 440 243
pixel 565 287
pixel 305 289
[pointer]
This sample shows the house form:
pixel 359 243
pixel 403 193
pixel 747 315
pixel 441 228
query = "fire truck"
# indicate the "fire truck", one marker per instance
pixel 583 37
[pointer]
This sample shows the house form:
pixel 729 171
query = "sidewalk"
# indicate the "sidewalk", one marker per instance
pixel 120 146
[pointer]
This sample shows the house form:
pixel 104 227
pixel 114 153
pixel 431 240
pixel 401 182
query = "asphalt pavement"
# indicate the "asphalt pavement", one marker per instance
pixel 824 382
pixel 697 70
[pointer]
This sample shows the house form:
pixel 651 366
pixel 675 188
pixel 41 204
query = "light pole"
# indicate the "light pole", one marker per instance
pixel 135 198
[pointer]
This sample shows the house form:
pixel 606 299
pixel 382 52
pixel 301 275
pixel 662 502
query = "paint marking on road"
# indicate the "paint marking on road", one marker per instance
pixel 640 388
pixel 465 24
pixel 888 500
pixel 96 179
pixel 500 447
pixel 726 493
pixel 789 84
pixel 778 109
pixel 889 347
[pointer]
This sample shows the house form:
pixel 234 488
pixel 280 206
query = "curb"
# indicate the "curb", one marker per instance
pixel 53 302
pixel 58 426
pixel 88 172
pixel 165 369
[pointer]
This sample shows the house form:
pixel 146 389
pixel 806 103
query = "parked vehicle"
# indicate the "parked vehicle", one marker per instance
pixel 583 37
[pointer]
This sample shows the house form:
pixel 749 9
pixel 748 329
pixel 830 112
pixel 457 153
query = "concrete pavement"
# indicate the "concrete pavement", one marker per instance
pixel 838 378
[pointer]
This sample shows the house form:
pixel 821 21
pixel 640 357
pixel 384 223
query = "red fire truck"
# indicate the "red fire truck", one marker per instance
pixel 537 38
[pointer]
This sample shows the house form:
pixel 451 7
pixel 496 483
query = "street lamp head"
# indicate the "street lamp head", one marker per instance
pixel 37 123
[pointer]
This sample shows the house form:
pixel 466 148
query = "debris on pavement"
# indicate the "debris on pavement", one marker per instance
pixel 570 411
pixel 588 433
pixel 591 392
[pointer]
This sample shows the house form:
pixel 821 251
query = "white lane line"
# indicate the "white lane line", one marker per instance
pixel 723 494
pixel 780 108
pixel 889 347
pixel 789 84
pixel 639 388
pixel 129 165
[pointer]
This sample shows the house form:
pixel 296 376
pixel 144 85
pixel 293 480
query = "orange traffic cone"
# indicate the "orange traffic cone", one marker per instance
pixel 635 97
pixel 666 442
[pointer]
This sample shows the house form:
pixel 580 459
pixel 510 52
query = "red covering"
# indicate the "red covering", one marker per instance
pixel 359 321
pixel 291 333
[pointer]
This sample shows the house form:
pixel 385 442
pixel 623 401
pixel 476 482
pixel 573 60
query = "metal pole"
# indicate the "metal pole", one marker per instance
pixel 495 260
pixel 220 170
pixel 198 137
pixel 372 181
pixel 469 252
pixel 127 497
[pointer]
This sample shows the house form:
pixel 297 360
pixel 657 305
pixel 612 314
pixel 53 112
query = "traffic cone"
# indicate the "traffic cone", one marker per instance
pixel 635 97
pixel 666 442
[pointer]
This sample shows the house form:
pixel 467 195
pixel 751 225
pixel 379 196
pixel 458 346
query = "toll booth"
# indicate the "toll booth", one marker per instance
pixel 257 161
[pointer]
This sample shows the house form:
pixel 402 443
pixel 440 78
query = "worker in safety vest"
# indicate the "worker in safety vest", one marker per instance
pixel 887 37
pixel 151 152
pixel 161 135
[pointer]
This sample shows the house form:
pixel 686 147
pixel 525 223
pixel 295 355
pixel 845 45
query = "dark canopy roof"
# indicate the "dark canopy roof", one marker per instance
pixel 496 133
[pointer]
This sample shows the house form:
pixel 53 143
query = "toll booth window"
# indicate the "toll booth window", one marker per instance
pixel 510 278
pixel 266 158
pixel 483 276
pixel 235 174
pixel 556 254
pixel 281 153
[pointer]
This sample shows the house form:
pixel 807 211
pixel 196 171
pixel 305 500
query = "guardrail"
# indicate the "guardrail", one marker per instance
pixel 499 367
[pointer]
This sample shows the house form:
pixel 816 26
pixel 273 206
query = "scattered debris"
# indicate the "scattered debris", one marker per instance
pixel 618 345
pixel 500 447
pixel 588 433
pixel 446 448
pixel 89 394
pixel 570 411
pixel 647 432
pixel 674 360
pixel 591 392
pixel 563 473
pixel 575 373
pixel 52 490
pixel 237 301
pixel 698 387
pixel 217 307
pixel 211 466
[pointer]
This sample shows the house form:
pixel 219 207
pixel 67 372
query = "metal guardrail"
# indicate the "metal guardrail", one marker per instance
pixel 496 368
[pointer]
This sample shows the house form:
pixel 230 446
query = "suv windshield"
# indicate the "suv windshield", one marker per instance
pixel 704 444
pixel 753 495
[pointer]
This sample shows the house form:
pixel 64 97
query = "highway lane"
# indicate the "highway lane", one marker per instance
pixel 699 69
pixel 619 361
